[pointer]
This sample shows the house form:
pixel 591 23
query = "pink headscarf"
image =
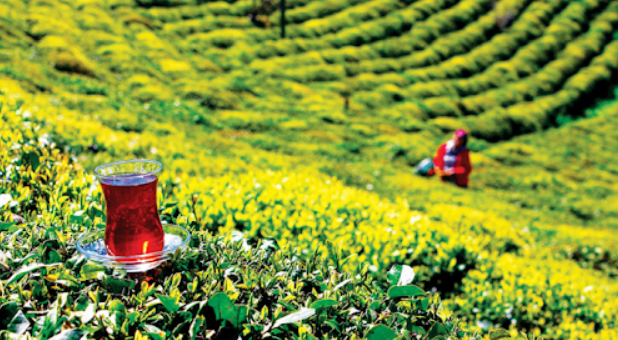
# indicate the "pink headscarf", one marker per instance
pixel 461 133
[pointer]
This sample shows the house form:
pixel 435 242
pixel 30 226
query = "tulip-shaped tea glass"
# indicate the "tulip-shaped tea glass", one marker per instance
pixel 133 223
pixel 134 239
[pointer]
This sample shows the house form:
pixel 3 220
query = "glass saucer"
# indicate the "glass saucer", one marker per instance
pixel 93 247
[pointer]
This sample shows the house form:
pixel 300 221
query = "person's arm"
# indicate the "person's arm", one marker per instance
pixel 466 166
pixel 438 161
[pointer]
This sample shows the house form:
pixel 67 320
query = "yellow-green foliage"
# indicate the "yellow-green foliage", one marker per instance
pixel 37 176
pixel 546 296
pixel 309 140
pixel 47 202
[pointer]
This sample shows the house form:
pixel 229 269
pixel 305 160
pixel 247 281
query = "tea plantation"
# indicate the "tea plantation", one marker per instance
pixel 291 161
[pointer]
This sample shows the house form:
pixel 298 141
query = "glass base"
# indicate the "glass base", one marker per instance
pixel 93 247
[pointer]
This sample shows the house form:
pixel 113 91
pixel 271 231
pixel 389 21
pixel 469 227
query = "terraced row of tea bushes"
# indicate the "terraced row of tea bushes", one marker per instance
pixel 526 117
pixel 550 174
pixel 100 133
pixel 205 24
pixel 530 25
pixel 444 47
pixel 165 3
pixel 163 59
pixel 347 18
pixel 571 160
pixel 525 62
pixel 134 130
pixel 478 60
pixel 141 130
pixel 314 73
pixel 447 45
pixel 124 57
pixel 315 10
pixel 362 86
pixel 240 8
pixel 317 27
pixel 394 23
pixel 419 36
pixel 545 81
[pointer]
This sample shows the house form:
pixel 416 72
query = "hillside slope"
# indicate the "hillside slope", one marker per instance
pixel 257 127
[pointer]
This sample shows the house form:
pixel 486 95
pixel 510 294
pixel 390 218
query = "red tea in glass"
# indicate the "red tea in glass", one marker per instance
pixel 133 223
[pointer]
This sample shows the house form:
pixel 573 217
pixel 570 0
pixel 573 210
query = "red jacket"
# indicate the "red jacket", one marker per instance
pixel 463 167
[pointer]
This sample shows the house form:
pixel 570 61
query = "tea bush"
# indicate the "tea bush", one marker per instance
pixel 307 144
pixel 220 287
pixel 528 26
pixel 417 37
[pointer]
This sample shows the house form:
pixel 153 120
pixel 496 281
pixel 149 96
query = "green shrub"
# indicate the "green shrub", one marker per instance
pixel 545 296
pixel 255 127
pixel 221 285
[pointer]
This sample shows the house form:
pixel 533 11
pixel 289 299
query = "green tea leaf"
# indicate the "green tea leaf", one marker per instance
pixel 436 330
pixel 400 275
pixel 31 158
pixel 117 306
pixel 34 266
pixel 154 332
pixel 53 256
pixel 152 329
pixel 381 332
pixel 118 286
pixel 7 312
pixel 155 336
pixel 405 291
pixel 77 217
pixel 90 271
pixel 295 317
pixel 241 315
pixel 425 304
pixel 19 324
pixel 88 314
pixel 324 304
pixel 342 284
pixel 499 334
pixel 69 334
pixel 196 327
pixel 5 226
pixel 222 305
pixel 225 310
pixel 334 324
pixel 169 303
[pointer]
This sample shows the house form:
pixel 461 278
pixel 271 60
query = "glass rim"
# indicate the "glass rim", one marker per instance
pixel 156 170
